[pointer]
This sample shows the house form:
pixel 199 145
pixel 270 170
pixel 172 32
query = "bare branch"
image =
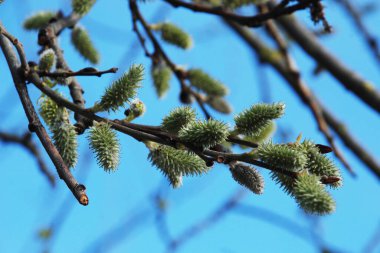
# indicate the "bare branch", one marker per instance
pixel 83 72
pixel 179 73
pixel 251 21
pixel 356 16
pixel 350 80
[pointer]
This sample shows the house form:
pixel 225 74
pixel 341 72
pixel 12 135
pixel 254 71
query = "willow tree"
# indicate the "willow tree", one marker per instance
pixel 186 144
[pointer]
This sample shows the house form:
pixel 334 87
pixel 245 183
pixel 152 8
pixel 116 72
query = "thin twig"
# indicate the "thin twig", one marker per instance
pixel 261 49
pixel 178 72
pixel 251 21
pixel 304 92
pixel 210 220
pixel 347 77
pixel 356 16
pixel 47 36
pixel 25 140
pixel 82 72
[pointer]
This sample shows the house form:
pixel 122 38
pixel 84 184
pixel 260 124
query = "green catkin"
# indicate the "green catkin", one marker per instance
pixel 103 141
pixel 311 195
pixel 174 35
pixel 219 104
pixel 248 177
pixel 136 109
pixel 82 7
pixel 178 118
pixel 176 162
pixel 201 80
pixel 161 75
pixel 83 44
pixel 263 135
pixel 282 156
pixel 51 113
pixel 253 120
pixel 65 139
pixel 204 134
pixel 286 182
pixel 38 20
pixel 122 90
pixel 319 164
pixel 47 60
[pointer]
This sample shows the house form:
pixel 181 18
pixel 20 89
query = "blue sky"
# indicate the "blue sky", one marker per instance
pixel 122 202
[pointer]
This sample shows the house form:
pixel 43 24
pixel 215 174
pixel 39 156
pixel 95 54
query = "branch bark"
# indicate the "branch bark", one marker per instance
pixel 35 124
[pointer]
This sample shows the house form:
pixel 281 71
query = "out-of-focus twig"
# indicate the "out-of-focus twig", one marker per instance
pixel 373 242
pixel 251 21
pixel 178 72
pixel 356 17
pixel 210 220
pixel 347 77
pixel 26 141
pixel 264 53
pixel 303 91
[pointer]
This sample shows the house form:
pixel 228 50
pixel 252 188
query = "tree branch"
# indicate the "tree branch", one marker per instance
pixel 251 21
pixel 262 51
pixel 350 80
pixel 300 87
pixel 356 16
pixel 178 72
pixel 47 36
pixel 83 72
pixel 35 125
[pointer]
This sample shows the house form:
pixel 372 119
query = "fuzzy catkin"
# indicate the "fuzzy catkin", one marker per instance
pixel 65 139
pixel 178 118
pixel 47 60
pixel 82 7
pixel 174 35
pixel 201 80
pixel 103 141
pixel 38 20
pixel 253 120
pixel 122 90
pixel 177 162
pixel 311 195
pixel 282 156
pixel 83 44
pixel 161 75
pixel 248 177
pixel 319 164
pixel 204 134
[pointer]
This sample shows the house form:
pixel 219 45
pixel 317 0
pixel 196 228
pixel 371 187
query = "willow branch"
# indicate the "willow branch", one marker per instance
pixel 47 36
pixel 262 50
pixel 251 21
pixel 82 72
pixel 35 124
pixel 306 95
pixel 25 141
pixel 179 73
pixel 142 134
pixel 356 16
pixel 347 77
